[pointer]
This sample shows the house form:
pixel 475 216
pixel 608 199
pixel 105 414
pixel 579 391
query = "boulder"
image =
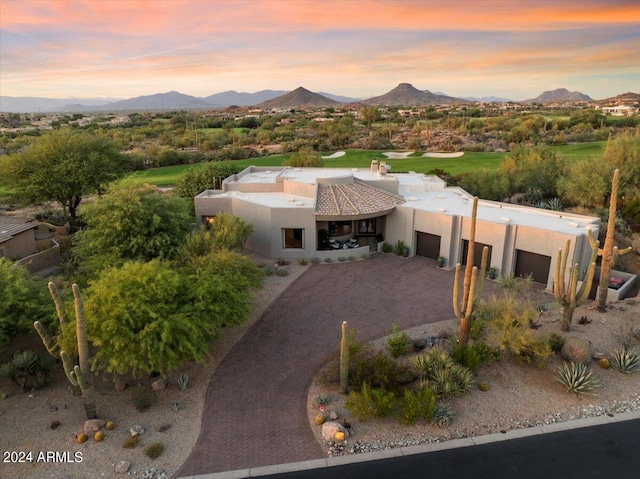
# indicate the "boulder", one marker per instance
pixel 333 416
pixel 92 425
pixel 136 430
pixel 159 384
pixel 122 467
pixel 329 430
pixel 577 350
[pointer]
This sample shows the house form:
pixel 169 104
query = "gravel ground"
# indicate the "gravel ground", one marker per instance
pixel 25 418
pixel 520 396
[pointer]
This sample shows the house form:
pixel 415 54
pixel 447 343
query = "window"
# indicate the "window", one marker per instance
pixel 367 227
pixel 339 228
pixel 293 237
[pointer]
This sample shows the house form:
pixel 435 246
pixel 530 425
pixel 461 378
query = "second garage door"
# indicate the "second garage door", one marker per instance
pixel 428 245
pixel 534 264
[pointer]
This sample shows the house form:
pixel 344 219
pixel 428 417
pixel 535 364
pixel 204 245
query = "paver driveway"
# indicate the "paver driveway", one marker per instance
pixel 255 408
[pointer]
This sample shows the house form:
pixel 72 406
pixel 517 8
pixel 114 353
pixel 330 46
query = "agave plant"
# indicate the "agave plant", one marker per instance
pixel 577 378
pixel 626 360
pixel 443 415
pixel 463 377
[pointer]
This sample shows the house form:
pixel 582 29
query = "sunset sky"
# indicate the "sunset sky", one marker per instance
pixel 356 48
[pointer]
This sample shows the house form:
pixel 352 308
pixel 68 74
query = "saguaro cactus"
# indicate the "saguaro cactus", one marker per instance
pixel 609 252
pixel 568 296
pixel 344 360
pixel 464 309
pixel 79 375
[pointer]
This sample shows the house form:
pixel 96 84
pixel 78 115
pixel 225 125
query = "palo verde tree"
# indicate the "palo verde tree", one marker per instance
pixel 206 176
pixel 152 317
pixel 609 252
pixel 568 295
pixel 64 166
pixel 305 157
pixel 464 309
pixel 132 221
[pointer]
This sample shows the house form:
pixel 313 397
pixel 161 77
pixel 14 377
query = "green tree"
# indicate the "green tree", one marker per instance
pixel 23 299
pixel 207 176
pixel 64 166
pixel 305 157
pixel 586 182
pixel 131 222
pixel 146 317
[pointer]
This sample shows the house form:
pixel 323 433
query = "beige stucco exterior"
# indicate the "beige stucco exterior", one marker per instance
pixel 274 199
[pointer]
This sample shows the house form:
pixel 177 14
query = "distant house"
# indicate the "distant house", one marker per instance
pixel 620 110
pixel 17 236
pixel 329 213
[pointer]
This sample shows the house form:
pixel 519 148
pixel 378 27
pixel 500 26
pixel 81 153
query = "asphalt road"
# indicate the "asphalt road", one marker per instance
pixel 610 451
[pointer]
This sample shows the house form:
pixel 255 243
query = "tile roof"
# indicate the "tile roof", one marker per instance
pixel 353 199
pixel 14 225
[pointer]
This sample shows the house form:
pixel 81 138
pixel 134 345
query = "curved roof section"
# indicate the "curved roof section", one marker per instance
pixel 354 199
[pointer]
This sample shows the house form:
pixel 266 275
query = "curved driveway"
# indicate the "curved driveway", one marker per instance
pixel 255 410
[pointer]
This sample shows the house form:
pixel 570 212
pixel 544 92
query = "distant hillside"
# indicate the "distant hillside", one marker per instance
pixel 160 101
pixel 299 97
pixel 28 104
pixel 339 98
pixel 629 97
pixel 560 94
pixel 232 97
pixel 405 94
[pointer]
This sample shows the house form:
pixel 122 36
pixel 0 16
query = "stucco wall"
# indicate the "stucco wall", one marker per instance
pixel 21 245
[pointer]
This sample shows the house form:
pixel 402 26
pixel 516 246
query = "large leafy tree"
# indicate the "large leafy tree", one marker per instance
pixel 23 299
pixel 132 221
pixel 207 176
pixel 146 317
pixel 64 166
pixel 305 157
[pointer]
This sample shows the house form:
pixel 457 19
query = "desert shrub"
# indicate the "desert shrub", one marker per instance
pixel 427 400
pixel 323 399
pixel 437 370
pixel 155 450
pixel 386 247
pixel 466 355
pixel 576 350
pixel 164 427
pixel 433 360
pixel 443 415
pixel 556 342
pixel 131 442
pixel 477 328
pixel 399 247
pixel 303 262
pixel 144 398
pixel 409 408
pixel 342 259
pixel 315 260
pixel 28 369
pixel 370 402
pixel 509 328
pixel 577 378
pixel 269 271
pixel 398 342
pixel 376 369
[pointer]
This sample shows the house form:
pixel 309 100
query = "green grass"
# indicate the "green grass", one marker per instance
pixel 470 161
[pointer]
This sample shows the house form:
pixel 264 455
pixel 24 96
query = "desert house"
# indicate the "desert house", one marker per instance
pixel 340 213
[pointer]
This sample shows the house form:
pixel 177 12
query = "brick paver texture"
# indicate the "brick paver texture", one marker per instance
pixel 255 410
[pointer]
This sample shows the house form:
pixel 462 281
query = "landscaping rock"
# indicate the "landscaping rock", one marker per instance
pixel 330 428
pixel 333 415
pixel 92 425
pixel 136 430
pixel 159 384
pixel 122 467
pixel 577 351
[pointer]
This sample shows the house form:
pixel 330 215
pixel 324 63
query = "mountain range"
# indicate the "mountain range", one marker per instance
pixel 404 94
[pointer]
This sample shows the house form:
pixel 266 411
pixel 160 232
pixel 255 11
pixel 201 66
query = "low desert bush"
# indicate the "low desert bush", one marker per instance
pixel 370 402
pixel 419 404
pixel 509 328
pixel 144 398
pixel 131 442
pixel 555 342
pixel 376 369
pixel 398 342
pixel 386 247
pixel 155 450
pixel 443 415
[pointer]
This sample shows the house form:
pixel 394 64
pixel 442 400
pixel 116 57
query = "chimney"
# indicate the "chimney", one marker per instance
pixel 374 166
pixel 383 168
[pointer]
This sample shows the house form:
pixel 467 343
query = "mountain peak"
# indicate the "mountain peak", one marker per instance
pixel 406 94
pixel 559 94
pixel 299 97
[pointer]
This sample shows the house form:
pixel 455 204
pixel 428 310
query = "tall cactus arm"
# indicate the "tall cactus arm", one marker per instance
pixel 573 284
pixel 558 286
pixel 585 288
pixel 482 272
pixel 618 252
pixel 47 340
pixel 470 250
pixel 456 292
pixel 563 267
pixel 595 244
pixel 81 333
pixel 68 367
pixel 472 289
pixel 58 302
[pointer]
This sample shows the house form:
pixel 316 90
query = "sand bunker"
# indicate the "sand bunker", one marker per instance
pixel 457 154
pixel 397 155
pixel 337 154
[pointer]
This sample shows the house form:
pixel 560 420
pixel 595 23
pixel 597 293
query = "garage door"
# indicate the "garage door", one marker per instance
pixel 477 253
pixel 428 245
pixel 534 264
